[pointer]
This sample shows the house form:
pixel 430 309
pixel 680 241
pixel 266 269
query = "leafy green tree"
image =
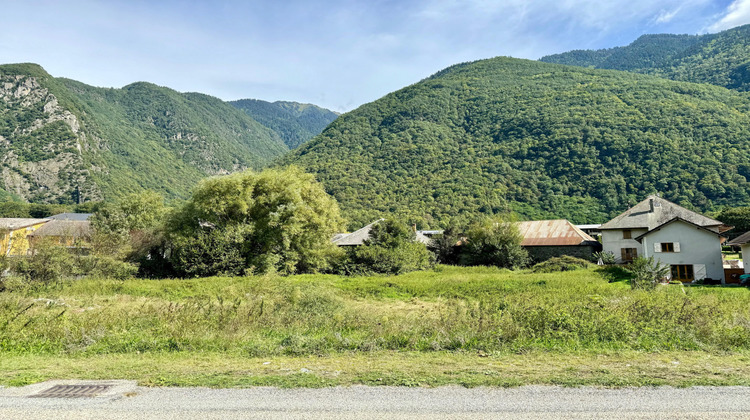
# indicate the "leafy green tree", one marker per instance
pixel 276 220
pixel 46 210
pixel 14 209
pixel 494 242
pixel 132 230
pixel 739 217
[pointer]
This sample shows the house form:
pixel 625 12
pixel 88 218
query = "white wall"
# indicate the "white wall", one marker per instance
pixel 696 247
pixel 746 257
pixel 613 242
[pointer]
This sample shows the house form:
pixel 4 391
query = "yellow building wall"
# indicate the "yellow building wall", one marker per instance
pixel 16 242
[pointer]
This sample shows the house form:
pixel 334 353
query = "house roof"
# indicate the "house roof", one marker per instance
pixel 358 237
pixel 676 219
pixel 13 223
pixel 740 240
pixel 72 216
pixel 552 233
pixel 64 228
pixel 655 211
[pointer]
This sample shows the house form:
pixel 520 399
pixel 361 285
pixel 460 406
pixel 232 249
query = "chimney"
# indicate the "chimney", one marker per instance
pixel 651 204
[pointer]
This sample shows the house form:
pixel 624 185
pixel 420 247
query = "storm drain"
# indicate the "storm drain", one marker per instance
pixel 72 391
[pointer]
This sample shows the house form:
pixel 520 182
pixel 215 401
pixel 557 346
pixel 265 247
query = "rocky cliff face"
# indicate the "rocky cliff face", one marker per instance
pixel 41 145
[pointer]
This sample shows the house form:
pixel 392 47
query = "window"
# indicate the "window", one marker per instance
pixel 666 247
pixel 682 273
pixel 627 234
pixel 628 254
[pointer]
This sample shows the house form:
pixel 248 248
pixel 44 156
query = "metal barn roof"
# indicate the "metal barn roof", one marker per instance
pixel 552 233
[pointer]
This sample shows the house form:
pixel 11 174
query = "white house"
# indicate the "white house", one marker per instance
pixel 743 241
pixel 688 242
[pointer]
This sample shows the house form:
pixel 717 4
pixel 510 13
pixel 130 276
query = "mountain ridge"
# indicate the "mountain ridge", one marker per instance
pixel 721 58
pixel 65 141
pixel 543 140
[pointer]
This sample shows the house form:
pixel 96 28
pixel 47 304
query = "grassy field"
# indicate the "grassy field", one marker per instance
pixel 469 326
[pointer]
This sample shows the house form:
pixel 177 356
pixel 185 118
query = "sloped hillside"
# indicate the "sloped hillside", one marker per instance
pixel 542 139
pixel 294 122
pixel 68 142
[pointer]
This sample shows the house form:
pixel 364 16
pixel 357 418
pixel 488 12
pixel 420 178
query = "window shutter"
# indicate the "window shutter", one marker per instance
pixel 623 255
pixel 699 271
pixel 657 246
pixel 677 247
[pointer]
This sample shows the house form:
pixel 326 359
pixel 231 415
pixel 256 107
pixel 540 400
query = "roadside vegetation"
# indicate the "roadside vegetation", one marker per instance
pixel 447 313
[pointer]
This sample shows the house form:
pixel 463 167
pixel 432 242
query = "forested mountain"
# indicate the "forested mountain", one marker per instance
pixel 63 141
pixel 294 122
pixel 542 139
pixel 720 59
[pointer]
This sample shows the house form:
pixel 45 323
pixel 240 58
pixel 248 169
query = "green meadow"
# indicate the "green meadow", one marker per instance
pixel 452 325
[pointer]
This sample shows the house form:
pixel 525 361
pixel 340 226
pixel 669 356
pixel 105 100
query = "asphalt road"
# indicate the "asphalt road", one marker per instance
pixel 126 401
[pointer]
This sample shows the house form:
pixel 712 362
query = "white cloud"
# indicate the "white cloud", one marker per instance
pixel 666 16
pixel 738 13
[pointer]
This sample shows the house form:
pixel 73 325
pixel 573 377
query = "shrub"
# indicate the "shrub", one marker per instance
pixel 563 263
pixel 48 264
pixel 209 252
pixel 105 267
pixel 446 247
pixel 391 249
pixel 606 257
pixel 647 273
pixel 494 242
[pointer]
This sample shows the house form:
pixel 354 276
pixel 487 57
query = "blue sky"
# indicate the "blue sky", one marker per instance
pixel 334 53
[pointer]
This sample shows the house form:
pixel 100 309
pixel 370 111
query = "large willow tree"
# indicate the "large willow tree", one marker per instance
pixel 276 220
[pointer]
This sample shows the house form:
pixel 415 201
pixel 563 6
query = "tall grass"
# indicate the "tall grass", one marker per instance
pixel 449 308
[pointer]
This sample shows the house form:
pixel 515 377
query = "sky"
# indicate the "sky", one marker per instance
pixel 338 54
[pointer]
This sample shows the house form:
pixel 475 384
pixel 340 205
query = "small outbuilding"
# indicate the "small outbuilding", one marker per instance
pixel 72 234
pixel 14 234
pixel 544 239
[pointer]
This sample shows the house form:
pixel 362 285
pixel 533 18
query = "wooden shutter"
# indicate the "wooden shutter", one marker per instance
pixel 623 254
pixel 676 247
pixel 657 246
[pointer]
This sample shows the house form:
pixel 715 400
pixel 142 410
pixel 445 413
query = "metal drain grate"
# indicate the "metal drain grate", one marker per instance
pixel 72 391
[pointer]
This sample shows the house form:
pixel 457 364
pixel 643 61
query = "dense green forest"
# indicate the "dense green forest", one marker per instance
pixel 66 142
pixel 294 122
pixel 543 140
pixel 720 59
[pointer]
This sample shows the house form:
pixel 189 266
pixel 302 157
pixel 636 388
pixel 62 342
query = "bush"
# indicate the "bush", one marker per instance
pixel 494 242
pixel 210 252
pixel 446 247
pixel 105 267
pixel 564 263
pixel 48 264
pixel 391 249
pixel 606 257
pixel 647 273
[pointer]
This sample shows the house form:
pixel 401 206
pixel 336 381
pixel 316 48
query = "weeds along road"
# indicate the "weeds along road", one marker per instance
pixel 359 402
